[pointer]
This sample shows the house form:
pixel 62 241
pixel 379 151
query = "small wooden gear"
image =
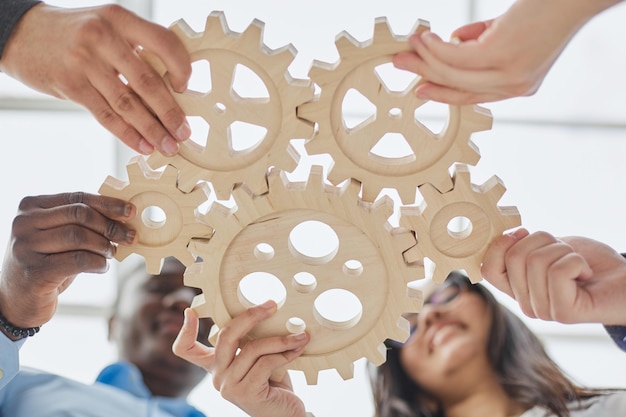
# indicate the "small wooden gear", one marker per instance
pixel 217 161
pixel 474 207
pixel 367 262
pixel 152 190
pixel 351 148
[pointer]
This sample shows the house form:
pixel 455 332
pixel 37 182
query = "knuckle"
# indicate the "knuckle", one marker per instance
pixel 148 81
pixel 77 197
pixel 79 213
pixel 126 102
pixel 81 259
pixel 75 236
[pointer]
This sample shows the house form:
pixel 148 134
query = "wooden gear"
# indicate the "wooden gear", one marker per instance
pixel 458 249
pixel 365 239
pixel 217 161
pixel 148 189
pixel 269 206
pixel 351 148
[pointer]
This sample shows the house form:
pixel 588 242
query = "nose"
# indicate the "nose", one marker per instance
pixel 430 313
pixel 179 298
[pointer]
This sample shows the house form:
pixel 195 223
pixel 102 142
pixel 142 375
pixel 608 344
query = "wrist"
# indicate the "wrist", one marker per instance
pixel 14 332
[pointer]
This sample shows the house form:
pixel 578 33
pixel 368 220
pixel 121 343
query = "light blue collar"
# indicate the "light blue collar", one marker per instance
pixel 127 377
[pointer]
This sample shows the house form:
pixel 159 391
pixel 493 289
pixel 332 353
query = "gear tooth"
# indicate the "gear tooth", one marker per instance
pixel 213 334
pixel 370 192
pixel 383 207
pixel 157 160
pixel 154 264
pixel 122 252
pixel 345 43
pixel 275 180
pixel 321 73
pixel 193 275
pixel 295 158
pixel 346 370
pixel 382 30
pixel 201 306
pixel 199 248
pixel 303 129
pixel 282 58
pixel 376 355
pixel 311 376
pixel 429 192
pixel 415 297
pixel 112 186
pixel 216 20
pixel 420 26
pixel 185 257
pixel 223 191
pixel 315 183
pixel 479 118
pixel 439 274
pixel 135 168
pixel 200 194
pixel 473 273
pixel 408 215
pixel 186 181
pixel 183 30
pixel 407 193
pixel 170 174
pixel 443 183
pixel 351 189
pixel 400 332
pixel 257 185
pixel 413 255
pixel 316 145
pixel 510 217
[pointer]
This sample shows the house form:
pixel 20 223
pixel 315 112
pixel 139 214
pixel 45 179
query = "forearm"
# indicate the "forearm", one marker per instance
pixel 11 11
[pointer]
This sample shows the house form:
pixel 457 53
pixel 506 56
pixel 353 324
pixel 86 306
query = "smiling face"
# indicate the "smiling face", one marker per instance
pixel 145 323
pixel 449 344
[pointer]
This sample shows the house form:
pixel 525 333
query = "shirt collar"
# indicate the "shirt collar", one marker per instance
pixel 126 376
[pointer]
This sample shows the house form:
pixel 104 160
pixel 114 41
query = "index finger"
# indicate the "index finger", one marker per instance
pixel 229 337
pixel 494 263
pixel 113 208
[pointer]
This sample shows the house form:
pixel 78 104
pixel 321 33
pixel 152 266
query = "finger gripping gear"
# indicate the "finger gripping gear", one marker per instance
pixel 367 263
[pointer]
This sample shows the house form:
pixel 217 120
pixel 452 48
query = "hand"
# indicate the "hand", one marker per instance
pixel 244 378
pixel 79 54
pixel 497 59
pixel 570 280
pixel 53 239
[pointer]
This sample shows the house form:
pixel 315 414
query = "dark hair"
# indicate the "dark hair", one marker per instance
pixel 526 372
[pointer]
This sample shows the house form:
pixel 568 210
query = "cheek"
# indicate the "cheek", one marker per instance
pixel 414 359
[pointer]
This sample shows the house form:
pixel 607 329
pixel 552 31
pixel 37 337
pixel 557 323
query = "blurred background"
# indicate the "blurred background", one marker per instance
pixel 560 154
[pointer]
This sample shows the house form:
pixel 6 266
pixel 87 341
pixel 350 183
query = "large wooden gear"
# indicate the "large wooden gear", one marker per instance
pixel 373 261
pixel 217 161
pixel 152 190
pixel 351 148
pixel 475 207
pixel 368 262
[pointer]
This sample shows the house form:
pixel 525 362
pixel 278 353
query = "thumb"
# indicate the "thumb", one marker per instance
pixel 187 346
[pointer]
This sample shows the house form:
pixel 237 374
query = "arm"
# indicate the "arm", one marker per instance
pixel 508 56
pixel 570 279
pixel 83 62
pixel 245 378
pixel 11 11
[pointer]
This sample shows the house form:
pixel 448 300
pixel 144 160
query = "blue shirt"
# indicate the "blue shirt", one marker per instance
pixel 118 392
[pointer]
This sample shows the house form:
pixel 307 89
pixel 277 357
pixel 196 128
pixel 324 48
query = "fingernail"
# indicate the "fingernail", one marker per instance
pixel 428 37
pixel 421 94
pixel 128 210
pixel 170 147
pixel 268 305
pixel 145 147
pixel 519 234
pixel 130 236
pixel 298 336
pixel 185 317
pixel 183 132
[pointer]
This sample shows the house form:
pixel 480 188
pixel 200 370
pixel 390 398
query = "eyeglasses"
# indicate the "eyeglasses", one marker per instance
pixel 447 292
